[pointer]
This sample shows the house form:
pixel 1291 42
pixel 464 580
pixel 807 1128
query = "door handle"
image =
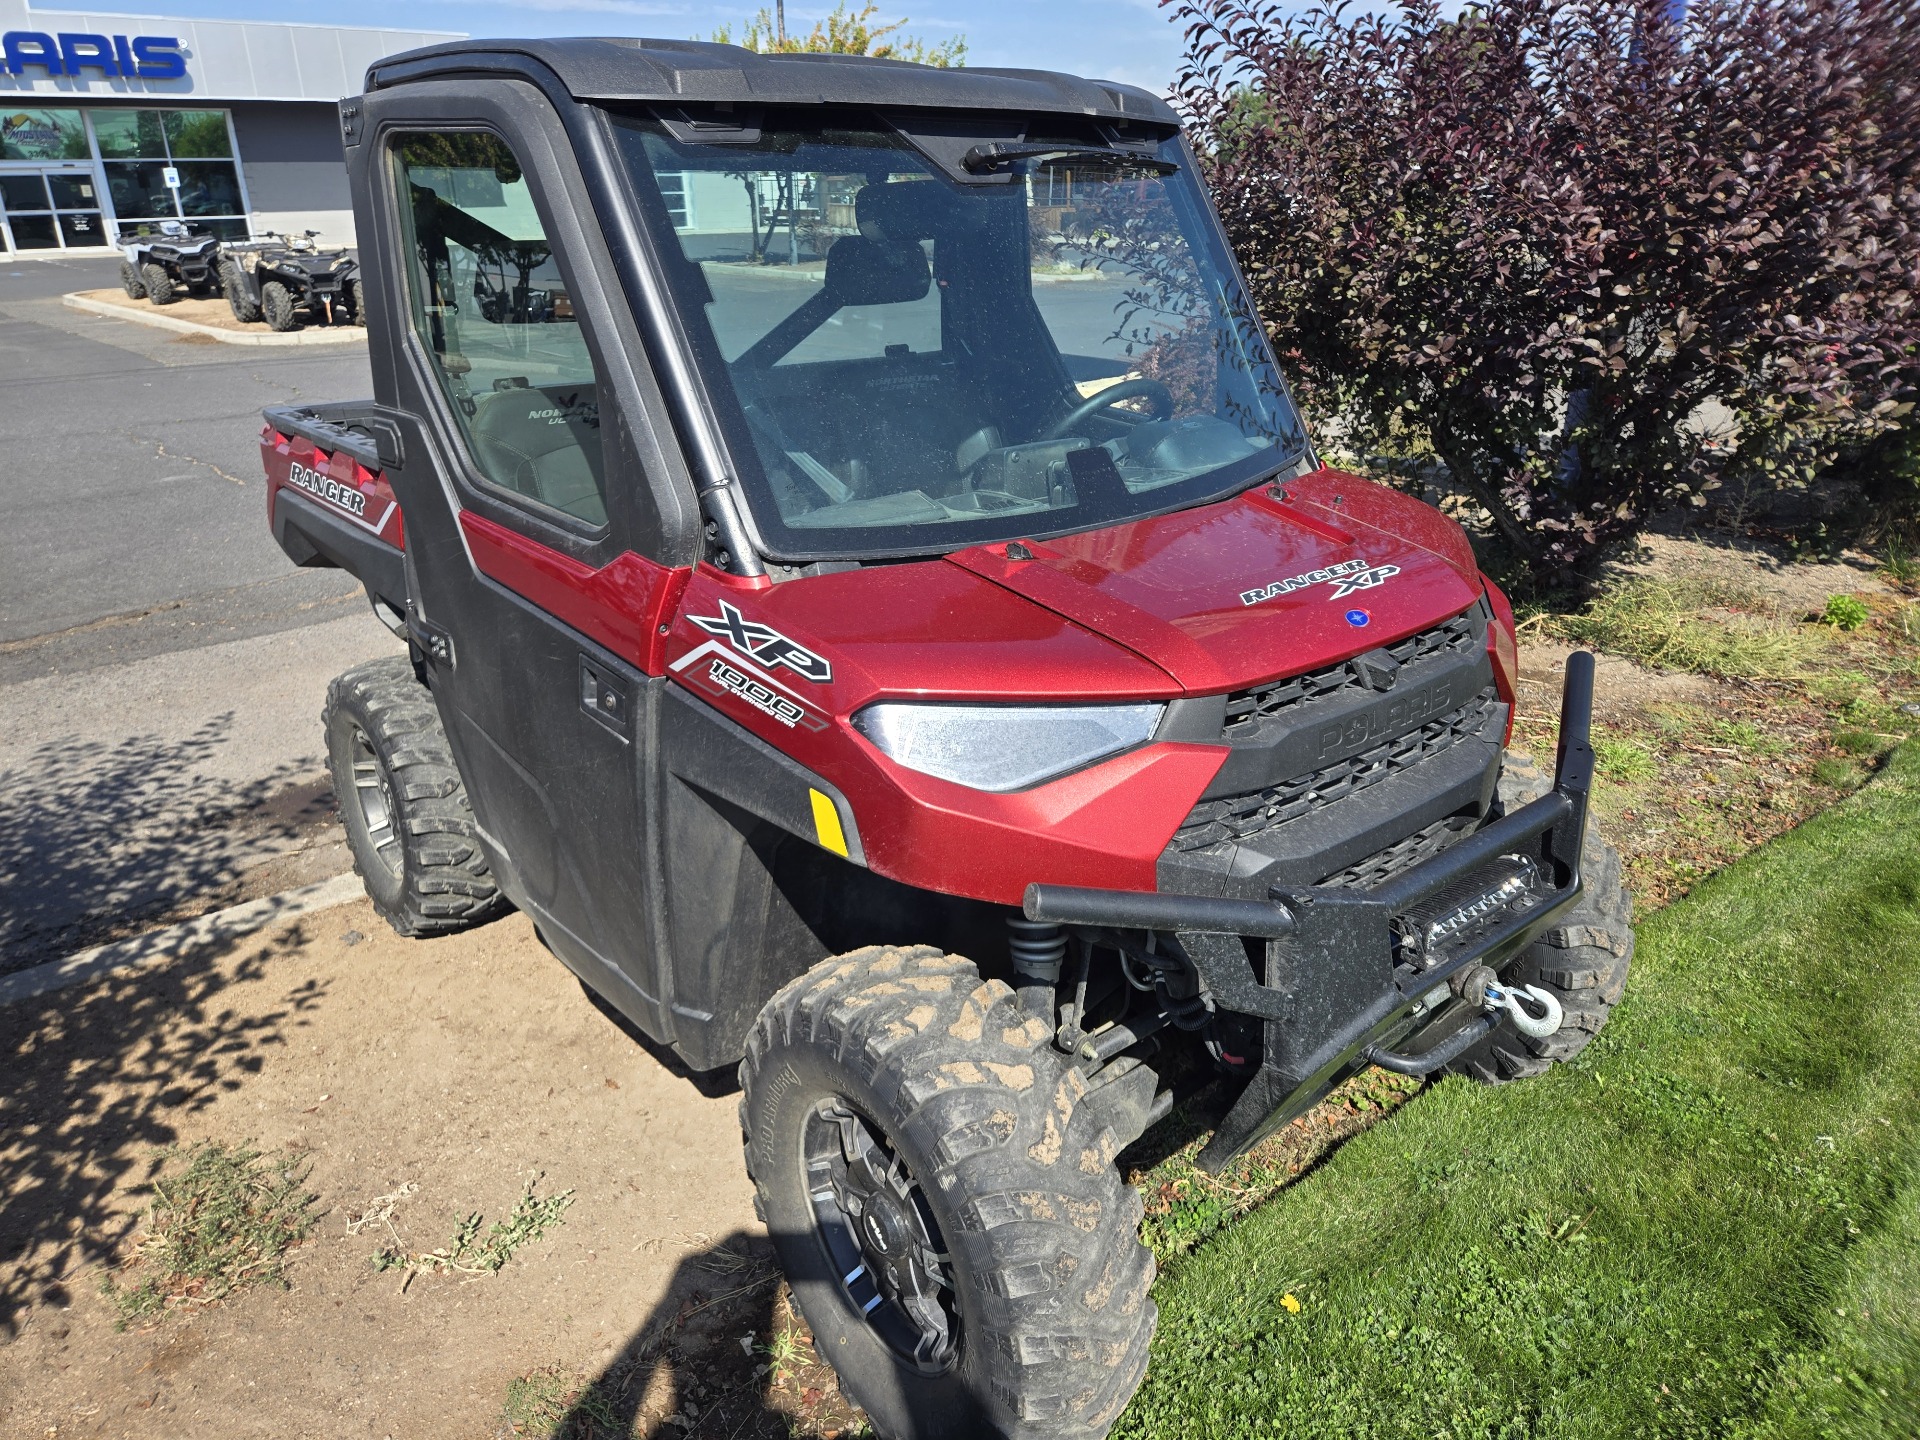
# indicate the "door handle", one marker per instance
pixel 603 696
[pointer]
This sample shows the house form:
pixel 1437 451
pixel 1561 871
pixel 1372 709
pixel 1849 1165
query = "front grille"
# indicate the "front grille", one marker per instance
pixel 1401 855
pixel 1247 709
pixel 1243 817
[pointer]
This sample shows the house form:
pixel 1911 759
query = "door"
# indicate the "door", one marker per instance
pixel 516 489
pixel 76 209
pixel 51 210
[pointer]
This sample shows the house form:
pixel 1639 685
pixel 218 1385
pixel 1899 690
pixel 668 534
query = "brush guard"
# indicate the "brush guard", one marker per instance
pixel 1352 974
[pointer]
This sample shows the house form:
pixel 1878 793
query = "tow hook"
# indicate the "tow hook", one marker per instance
pixel 1520 1004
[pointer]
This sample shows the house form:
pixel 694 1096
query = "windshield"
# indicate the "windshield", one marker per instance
pixel 909 363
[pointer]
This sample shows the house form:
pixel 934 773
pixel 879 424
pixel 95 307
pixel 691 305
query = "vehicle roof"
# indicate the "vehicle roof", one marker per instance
pixel 697 71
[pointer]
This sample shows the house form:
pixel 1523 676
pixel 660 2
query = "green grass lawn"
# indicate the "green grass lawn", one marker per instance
pixel 1709 1225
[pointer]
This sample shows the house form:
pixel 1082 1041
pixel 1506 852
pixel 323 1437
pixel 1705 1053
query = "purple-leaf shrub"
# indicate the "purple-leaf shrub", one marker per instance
pixel 1551 239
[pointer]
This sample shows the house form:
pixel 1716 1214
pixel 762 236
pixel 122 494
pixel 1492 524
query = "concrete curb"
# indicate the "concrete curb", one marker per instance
pixel 174 942
pixel 338 335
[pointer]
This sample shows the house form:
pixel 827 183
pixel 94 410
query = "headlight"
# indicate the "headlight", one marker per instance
pixel 1003 747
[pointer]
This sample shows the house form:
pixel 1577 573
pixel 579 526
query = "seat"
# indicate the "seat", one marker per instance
pixel 544 443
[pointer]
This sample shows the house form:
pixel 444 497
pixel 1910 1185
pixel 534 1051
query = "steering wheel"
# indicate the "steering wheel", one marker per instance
pixel 1160 397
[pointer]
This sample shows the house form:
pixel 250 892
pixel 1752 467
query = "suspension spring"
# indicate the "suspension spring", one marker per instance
pixel 1038 949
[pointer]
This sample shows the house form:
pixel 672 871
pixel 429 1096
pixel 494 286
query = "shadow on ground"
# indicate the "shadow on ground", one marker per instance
pixel 98 1080
pixel 723 1356
pixel 97 838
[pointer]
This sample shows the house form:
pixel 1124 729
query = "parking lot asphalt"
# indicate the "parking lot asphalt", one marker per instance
pixel 162 666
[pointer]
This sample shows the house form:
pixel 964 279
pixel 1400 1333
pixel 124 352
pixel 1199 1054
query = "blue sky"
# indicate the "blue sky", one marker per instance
pixel 1128 40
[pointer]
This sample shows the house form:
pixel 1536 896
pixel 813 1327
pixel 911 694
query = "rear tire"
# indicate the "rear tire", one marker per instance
pixel 404 806
pixel 276 303
pixel 130 281
pixel 1582 962
pixel 1033 1319
pixel 233 280
pixel 159 284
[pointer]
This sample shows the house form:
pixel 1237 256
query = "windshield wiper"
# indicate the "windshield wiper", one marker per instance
pixel 983 158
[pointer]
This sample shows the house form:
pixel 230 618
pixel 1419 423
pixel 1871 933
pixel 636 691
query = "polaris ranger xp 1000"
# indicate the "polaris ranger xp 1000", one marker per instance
pixel 872 604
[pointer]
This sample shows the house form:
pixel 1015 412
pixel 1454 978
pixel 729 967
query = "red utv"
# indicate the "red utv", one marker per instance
pixel 872 603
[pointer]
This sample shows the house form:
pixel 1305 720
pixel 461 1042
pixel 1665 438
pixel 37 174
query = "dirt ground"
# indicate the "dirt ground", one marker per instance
pixel 214 311
pixel 463 1066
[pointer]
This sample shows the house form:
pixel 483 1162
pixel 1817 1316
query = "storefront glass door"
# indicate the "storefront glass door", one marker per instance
pixel 50 210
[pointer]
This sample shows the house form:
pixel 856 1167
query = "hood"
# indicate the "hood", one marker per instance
pixel 1272 582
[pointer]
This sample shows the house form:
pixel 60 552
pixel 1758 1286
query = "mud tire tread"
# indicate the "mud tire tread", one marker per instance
pixel 988 1115
pixel 158 284
pixel 131 282
pixel 276 304
pixel 233 281
pixel 445 882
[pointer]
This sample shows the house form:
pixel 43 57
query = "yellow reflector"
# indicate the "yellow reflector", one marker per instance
pixel 826 824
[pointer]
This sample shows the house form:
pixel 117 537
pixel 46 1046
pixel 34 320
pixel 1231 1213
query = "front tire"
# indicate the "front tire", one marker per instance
pixel 946 1208
pixel 130 281
pixel 233 280
pixel 404 806
pixel 276 303
pixel 1583 961
pixel 158 284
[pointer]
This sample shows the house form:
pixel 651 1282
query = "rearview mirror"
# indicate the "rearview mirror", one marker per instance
pixel 873 272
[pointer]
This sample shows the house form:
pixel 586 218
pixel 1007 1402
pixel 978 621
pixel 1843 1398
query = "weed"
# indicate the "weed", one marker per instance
pixel 1745 735
pixel 1846 612
pixel 1903 566
pixel 1622 759
pixel 1858 742
pixel 471 1253
pixel 1835 773
pixel 224 1222
pixel 1842 690
pixel 787 1350
pixel 551 1404
pixel 1707 626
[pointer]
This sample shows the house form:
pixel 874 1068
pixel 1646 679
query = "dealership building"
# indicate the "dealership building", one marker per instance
pixel 111 123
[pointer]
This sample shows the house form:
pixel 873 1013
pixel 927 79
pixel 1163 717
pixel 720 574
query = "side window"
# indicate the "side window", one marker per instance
pixel 489 303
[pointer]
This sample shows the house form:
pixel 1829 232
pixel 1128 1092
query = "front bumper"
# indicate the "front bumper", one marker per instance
pixel 1351 971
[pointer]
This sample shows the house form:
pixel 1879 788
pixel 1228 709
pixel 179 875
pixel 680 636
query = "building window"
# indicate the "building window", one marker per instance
pixel 43 135
pixel 674 190
pixel 137 147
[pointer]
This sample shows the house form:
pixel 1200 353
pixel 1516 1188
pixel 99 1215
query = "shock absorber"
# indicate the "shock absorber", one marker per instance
pixel 1037 947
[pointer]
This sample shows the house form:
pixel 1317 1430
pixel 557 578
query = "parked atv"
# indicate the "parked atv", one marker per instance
pixel 962 701
pixel 172 258
pixel 280 277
